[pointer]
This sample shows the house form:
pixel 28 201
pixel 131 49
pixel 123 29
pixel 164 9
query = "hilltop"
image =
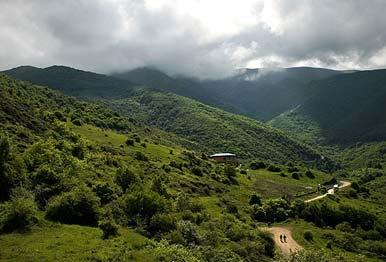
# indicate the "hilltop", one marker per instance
pixel 73 81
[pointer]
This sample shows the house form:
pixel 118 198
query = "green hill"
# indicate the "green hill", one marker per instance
pixel 216 129
pixel 73 82
pixel 344 109
pixel 257 93
pixel 212 129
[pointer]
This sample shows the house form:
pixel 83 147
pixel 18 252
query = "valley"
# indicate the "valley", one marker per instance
pixel 140 163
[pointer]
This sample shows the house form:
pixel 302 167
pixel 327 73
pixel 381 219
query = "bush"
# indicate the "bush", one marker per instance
pixel 161 223
pixel 130 142
pixel 295 176
pixel 143 205
pixel 79 206
pixel 20 213
pixel 77 122
pixel 309 174
pixel 140 156
pixel 308 236
pixel 257 165
pixel 255 200
pixel 274 168
pixel 230 173
pixel 125 178
pixel 196 171
pixel 109 228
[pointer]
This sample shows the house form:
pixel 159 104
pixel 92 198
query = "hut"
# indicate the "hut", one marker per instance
pixel 224 157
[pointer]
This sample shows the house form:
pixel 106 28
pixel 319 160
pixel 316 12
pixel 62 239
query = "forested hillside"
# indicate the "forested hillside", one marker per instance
pixel 210 128
pixel 257 93
pixel 344 109
pixel 73 82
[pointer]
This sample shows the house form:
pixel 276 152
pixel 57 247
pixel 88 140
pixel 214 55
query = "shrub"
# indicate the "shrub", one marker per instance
pixel 189 233
pixel 77 122
pixel 257 165
pixel 130 142
pixel 295 176
pixel 308 236
pixel 196 171
pixel 79 206
pixel 109 228
pixel 143 205
pixel 255 200
pixel 143 144
pixel 292 169
pixel 274 168
pixel 125 178
pixel 19 213
pixel 230 173
pixel 140 156
pixel 106 192
pixel 161 223
pixel 309 174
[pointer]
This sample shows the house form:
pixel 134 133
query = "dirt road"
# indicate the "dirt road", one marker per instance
pixel 288 247
pixel 330 191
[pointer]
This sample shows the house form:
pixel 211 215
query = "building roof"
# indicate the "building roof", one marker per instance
pixel 222 155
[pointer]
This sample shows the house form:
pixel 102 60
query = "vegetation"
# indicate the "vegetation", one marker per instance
pixel 88 183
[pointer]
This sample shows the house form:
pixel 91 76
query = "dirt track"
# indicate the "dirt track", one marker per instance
pixel 288 247
pixel 330 191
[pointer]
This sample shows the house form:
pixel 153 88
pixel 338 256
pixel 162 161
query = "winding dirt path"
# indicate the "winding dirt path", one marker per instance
pixel 330 191
pixel 288 247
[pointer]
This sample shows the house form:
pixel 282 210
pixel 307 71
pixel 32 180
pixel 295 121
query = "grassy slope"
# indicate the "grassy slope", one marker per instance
pixel 213 128
pixel 68 243
pixel 71 243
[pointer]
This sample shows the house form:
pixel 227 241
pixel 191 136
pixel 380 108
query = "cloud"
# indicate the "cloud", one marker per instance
pixel 192 37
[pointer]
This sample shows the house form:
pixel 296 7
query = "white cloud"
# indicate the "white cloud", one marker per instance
pixel 206 38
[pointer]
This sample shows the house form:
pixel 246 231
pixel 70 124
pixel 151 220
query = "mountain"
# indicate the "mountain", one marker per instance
pixel 257 93
pixel 213 128
pixel 344 109
pixel 73 81
pixel 210 128
pixel 158 80
pixel 75 175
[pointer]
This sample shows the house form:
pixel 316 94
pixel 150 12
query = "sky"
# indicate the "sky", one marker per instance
pixel 200 38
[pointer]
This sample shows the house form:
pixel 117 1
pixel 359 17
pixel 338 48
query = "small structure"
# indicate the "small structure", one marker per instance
pixel 224 157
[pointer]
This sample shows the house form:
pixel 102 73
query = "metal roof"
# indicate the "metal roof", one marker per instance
pixel 222 154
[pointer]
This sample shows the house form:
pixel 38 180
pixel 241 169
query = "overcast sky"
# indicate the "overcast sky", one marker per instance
pixel 205 38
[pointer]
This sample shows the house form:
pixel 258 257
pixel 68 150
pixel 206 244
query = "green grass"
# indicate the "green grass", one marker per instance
pixel 71 243
pixel 298 228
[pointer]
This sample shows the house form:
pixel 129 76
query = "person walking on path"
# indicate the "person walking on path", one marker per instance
pixel 281 238
pixel 285 238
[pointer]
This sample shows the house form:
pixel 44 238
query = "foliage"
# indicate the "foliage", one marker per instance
pixel 19 213
pixel 125 178
pixel 79 206
pixel 109 228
